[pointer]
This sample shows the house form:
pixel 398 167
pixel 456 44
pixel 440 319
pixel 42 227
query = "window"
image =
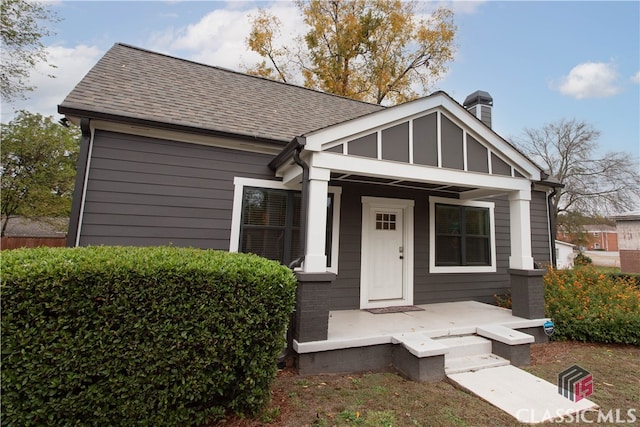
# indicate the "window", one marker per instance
pixel 271 223
pixel 266 221
pixel 462 237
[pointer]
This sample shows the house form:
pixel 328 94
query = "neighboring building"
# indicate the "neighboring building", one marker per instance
pixel 565 254
pixel 22 232
pixel 628 227
pixel 601 237
pixel 374 207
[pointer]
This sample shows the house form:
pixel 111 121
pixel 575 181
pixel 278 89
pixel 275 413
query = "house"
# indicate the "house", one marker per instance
pixel 419 206
pixel 628 229
pixel 601 237
pixel 565 254
pixel 23 232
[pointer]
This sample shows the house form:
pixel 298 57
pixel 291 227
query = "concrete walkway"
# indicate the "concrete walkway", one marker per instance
pixel 526 397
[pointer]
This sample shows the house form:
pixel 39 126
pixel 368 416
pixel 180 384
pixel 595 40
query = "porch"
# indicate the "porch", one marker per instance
pixel 422 344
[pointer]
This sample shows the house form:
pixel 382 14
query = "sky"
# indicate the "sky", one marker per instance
pixel 541 61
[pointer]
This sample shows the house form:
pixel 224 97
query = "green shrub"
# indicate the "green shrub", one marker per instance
pixel 582 259
pixel 632 278
pixel 138 336
pixel 587 305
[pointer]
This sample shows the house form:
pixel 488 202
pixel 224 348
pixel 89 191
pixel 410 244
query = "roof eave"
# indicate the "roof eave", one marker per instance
pixel 111 117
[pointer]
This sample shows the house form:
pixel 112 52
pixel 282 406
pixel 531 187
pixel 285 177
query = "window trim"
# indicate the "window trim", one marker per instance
pixel 433 268
pixel 236 217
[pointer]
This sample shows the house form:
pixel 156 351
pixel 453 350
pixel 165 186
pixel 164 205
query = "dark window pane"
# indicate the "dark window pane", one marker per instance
pixel 448 219
pixel 265 207
pixel 297 199
pixel 295 244
pixel 478 252
pixel 448 251
pixel 477 221
pixel 266 243
pixel 329 235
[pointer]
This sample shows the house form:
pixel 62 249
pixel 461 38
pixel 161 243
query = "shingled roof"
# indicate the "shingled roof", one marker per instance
pixel 138 85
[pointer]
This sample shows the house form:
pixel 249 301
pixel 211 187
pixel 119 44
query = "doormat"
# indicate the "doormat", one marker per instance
pixel 398 309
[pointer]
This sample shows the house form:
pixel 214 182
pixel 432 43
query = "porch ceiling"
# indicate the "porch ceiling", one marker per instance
pixel 416 185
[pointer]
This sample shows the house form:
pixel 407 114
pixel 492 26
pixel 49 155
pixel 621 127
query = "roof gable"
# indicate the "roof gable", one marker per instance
pixel 432 131
pixel 129 83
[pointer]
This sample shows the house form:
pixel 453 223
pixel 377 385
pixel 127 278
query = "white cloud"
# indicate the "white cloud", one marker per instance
pixel 71 64
pixel 218 38
pixel 636 78
pixel 464 7
pixel 590 80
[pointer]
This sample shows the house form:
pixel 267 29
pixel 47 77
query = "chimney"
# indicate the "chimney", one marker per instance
pixel 480 103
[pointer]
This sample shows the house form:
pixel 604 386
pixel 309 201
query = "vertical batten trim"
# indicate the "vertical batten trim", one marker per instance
pixel 379 143
pixel 439 137
pixel 464 151
pixel 410 142
pixel 489 161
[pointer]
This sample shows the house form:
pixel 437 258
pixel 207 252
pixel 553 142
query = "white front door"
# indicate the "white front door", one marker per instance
pixel 387 252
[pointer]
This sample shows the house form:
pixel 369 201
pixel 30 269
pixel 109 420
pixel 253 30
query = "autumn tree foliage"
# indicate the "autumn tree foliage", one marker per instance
pixel 377 51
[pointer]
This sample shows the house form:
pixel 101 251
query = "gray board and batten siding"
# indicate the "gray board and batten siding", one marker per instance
pixel 458 150
pixel 430 287
pixel 144 191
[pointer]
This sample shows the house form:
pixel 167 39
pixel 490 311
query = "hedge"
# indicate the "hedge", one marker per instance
pixel 588 305
pixel 139 336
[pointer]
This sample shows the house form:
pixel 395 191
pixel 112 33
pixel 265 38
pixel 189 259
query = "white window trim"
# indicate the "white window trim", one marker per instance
pixel 432 236
pixel 240 182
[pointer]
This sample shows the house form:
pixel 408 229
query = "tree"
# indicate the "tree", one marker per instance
pixel 571 227
pixel 23 25
pixel 37 166
pixel 592 185
pixel 371 50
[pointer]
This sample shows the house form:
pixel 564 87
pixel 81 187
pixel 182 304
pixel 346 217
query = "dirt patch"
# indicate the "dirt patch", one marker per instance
pixel 387 399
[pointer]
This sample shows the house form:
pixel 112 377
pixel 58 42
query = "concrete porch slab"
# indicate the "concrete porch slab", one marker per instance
pixel 355 328
pixel 526 397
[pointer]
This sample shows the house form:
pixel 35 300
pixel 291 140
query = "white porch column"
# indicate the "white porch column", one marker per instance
pixel 520 227
pixel 316 260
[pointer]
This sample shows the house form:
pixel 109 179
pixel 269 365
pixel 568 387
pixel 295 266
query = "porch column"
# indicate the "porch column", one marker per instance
pixel 520 227
pixel 315 259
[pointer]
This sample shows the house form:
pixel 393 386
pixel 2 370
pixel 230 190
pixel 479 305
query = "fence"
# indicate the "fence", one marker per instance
pixel 31 242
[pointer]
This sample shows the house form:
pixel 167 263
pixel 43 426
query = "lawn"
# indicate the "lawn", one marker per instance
pixel 387 399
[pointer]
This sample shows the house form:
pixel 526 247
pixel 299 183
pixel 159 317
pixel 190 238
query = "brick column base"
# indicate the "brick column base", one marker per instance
pixel 527 293
pixel 312 306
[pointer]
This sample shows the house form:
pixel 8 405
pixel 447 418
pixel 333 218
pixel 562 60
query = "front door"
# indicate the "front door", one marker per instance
pixel 387 252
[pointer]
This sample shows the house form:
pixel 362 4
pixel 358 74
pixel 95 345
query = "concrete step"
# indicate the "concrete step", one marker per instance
pixel 472 363
pixel 469 353
pixel 465 345
pixel 527 398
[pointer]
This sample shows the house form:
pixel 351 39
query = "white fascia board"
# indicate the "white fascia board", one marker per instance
pixel 404 171
pixel 362 125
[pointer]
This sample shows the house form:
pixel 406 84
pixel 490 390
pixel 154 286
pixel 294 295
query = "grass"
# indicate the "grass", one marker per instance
pixel 387 399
